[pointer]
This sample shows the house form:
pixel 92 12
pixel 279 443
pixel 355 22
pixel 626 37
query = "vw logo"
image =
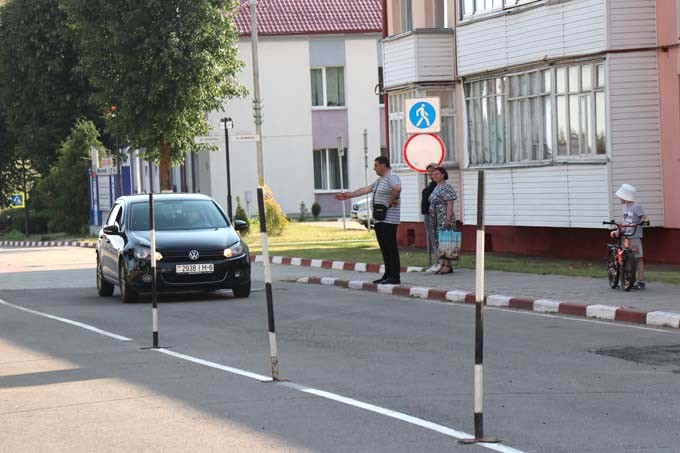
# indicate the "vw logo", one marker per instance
pixel 193 255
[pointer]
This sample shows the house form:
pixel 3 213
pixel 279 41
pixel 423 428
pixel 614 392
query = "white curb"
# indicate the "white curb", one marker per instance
pixel 303 280
pixel 328 281
pixel 338 265
pixel 421 293
pixel 498 301
pixel 356 284
pixel 316 263
pixel 414 269
pixel 386 289
pixel 277 259
pixel 295 261
pixel 546 306
pixel 360 267
pixel 662 318
pixel 456 296
pixel 601 311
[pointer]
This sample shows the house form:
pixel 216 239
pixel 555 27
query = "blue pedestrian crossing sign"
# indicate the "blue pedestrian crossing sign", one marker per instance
pixel 422 116
pixel 17 200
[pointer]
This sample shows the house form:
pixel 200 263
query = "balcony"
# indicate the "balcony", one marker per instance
pixel 423 55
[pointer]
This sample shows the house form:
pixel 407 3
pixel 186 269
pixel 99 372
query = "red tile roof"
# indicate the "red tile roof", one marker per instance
pixel 302 17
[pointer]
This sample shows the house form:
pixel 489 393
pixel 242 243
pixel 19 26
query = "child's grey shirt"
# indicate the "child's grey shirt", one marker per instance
pixel 633 214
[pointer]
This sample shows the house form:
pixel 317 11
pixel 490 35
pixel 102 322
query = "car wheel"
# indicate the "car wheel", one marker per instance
pixel 242 290
pixel 127 294
pixel 104 288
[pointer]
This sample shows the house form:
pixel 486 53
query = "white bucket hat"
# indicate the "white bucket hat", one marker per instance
pixel 626 192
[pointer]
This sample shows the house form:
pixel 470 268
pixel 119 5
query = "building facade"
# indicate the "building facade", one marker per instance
pixel 559 102
pixel 319 63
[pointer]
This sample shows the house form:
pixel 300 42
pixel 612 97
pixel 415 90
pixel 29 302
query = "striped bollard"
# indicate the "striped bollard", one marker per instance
pixel 479 324
pixel 268 286
pixel 154 291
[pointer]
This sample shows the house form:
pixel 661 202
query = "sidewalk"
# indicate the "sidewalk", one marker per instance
pixel 658 305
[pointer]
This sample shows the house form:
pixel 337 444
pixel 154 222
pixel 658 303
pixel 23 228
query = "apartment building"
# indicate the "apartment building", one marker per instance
pixel 559 102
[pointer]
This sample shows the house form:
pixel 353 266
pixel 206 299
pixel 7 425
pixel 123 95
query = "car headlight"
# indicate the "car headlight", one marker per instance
pixel 235 250
pixel 144 253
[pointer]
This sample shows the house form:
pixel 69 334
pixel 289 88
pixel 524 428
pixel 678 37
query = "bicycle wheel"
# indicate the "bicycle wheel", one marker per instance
pixel 613 269
pixel 628 270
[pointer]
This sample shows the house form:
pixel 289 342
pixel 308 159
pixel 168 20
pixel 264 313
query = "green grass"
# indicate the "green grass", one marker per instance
pixel 303 240
pixel 15 235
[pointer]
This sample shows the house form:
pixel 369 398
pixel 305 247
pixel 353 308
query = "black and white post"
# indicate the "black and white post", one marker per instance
pixel 154 274
pixel 257 114
pixel 368 196
pixel 227 124
pixel 341 153
pixel 479 321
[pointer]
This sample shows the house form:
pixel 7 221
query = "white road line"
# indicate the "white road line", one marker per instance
pixel 217 366
pixel 67 321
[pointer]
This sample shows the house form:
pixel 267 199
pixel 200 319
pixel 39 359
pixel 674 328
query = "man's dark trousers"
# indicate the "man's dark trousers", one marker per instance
pixel 386 234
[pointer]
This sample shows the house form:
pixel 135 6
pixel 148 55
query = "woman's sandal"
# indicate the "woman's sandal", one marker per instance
pixel 444 271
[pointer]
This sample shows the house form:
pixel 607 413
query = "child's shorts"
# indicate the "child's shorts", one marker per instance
pixel 636 245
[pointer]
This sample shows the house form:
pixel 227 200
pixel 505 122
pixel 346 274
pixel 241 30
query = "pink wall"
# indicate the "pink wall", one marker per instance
pixel 669 101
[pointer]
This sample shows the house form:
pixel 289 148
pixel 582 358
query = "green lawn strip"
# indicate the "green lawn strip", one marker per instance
pixel 370 253
pixel 308 232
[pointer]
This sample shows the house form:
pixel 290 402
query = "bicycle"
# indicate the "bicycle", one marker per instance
pixel 621 260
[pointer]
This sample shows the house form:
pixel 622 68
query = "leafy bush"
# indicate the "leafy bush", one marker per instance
pixel 316 210
pixel 241 214
pixel 13 219
pixel 276 219
pixel 63 195
pixel 304 212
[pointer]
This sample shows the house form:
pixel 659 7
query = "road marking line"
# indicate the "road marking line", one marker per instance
pixel 67 321
pixel 217 366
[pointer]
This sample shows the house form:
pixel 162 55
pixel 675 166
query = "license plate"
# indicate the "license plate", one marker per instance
pixel 195 268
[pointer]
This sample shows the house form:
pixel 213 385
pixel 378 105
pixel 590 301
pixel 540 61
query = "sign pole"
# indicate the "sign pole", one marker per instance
pixel 226 122
pixel 341 152
pixel 154 275
pixel 368 197
pixel 479 324
pixel 257 114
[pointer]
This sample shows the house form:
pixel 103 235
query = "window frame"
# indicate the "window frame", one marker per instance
pixel 475 155
pixel 326 171
pixel 324 88
pixel 484 11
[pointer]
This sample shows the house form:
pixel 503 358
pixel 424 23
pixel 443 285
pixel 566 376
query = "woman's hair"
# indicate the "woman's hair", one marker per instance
pixel 443 171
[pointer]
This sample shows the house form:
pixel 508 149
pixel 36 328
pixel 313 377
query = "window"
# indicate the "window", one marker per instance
pixel 477 7
pixel 539 115
pixel 327 169
pixel 328 87
pixel 397 128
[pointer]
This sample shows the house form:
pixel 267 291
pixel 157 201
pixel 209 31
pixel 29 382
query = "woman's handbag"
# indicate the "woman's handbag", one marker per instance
pixel 449 244
pixel 380 211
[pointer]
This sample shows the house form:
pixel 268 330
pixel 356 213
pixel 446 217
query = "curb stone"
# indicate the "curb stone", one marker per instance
pixel 85 244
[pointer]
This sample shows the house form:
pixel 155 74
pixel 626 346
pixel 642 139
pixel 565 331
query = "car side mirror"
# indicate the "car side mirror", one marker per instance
pixel 112 229
pixel 240 225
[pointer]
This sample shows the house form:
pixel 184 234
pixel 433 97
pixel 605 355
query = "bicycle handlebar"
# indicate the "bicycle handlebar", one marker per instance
pixel 621 226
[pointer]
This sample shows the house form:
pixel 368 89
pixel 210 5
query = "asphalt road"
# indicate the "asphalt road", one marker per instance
pixel 358 366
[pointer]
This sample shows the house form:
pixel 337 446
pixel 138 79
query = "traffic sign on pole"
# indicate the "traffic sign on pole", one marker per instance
pixel 420 150
pixel 422 116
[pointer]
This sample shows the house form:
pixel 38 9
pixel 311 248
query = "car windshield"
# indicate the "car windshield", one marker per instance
pixel 177 215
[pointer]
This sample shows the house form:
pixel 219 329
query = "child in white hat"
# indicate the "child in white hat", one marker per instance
pixel 633 213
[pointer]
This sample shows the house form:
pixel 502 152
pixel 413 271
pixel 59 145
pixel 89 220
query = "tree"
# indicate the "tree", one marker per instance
pixel 9 176
pixel 40 92
pixel 163 63
pixel 64 193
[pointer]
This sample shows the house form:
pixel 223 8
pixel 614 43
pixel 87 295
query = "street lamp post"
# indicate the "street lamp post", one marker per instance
pixel 228 123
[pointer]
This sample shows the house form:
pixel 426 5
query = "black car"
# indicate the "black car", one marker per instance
pixel 197 249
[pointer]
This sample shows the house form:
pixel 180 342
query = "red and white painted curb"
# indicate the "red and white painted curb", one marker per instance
pixel 328 264
pixel 90 245
pixel 606 312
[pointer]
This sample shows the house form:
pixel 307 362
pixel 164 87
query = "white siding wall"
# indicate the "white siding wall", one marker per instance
pixel 635 130
pixel 549 31
pixel 363 110
pixel 287 128
pixel 557 196
pixel 632 23
pixel 399 66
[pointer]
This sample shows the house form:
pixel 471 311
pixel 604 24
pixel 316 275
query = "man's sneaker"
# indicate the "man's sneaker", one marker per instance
pixel 640 285
pixel 434 268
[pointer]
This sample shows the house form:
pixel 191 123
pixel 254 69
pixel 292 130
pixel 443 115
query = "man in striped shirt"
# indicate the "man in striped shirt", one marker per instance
pixel 385 190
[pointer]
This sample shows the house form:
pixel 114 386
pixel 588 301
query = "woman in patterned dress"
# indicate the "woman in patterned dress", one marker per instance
pixel 441 211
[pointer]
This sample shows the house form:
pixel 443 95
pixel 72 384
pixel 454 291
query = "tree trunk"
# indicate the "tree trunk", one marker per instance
pixel 165 168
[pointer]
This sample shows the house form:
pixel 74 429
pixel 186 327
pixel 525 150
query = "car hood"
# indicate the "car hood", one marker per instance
pixel 201 240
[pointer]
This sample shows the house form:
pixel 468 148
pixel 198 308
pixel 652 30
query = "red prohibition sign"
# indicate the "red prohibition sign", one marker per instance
pixel 420 150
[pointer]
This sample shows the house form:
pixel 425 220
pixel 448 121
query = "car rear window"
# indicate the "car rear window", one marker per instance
pixel 177 215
